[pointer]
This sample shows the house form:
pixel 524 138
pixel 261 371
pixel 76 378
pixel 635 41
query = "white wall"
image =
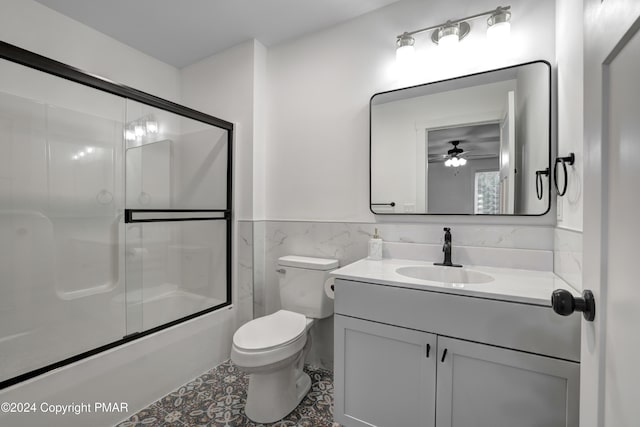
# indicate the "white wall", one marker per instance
pixel 230 85
pixel 260 124
pixel 569 57
pixel 222 85
pixel 319 89
pixel 568 262
pixel 34 27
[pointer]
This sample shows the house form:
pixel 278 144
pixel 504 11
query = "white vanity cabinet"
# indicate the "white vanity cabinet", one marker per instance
pixel 412 358
pixel 386 375
pixel 480 385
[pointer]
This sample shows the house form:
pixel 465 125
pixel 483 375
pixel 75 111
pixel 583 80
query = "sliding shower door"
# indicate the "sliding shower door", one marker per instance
pixel 176 216
pixel 115 214
pixel 61 203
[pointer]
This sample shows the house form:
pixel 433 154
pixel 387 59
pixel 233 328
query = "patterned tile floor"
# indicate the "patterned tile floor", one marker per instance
pixel 217 399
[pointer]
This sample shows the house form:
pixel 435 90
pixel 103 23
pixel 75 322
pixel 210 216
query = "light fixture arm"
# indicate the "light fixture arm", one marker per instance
pixel 456 21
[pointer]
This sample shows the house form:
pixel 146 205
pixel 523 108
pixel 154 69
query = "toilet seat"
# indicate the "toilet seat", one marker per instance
pixel 269 339
pixel 270 331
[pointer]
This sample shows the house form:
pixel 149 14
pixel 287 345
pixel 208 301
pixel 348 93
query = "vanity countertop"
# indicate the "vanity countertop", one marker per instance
pixel 508 284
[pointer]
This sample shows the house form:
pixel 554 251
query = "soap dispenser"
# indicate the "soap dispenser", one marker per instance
pixel 375 246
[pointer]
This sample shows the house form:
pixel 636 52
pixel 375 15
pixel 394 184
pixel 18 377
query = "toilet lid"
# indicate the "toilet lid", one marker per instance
pixel 270 331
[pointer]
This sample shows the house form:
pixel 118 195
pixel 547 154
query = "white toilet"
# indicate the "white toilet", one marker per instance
pixel 272 348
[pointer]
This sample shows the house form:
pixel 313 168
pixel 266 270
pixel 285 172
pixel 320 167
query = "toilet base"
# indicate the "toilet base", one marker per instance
pixel 273 395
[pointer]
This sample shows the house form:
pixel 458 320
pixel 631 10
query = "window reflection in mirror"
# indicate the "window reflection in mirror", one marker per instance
pixel 465 146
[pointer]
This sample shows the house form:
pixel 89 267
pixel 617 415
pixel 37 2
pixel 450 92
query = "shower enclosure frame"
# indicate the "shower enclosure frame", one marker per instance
pixel 33 60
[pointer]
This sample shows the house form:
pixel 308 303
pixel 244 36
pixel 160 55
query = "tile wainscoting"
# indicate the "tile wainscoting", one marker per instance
pixel 244 294
pixel 567 256
pixel 348 242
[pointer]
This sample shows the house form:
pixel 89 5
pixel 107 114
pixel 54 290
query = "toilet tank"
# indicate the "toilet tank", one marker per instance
pixel 302 285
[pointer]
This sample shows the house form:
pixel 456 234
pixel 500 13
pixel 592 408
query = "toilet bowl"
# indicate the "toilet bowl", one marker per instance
pixel 272 349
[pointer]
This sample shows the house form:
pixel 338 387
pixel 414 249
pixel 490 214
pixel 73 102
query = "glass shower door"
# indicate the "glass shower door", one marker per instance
pixel 61 202
pixel 177 217
pixel 115 216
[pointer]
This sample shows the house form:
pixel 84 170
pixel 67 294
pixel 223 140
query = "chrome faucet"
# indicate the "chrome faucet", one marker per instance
pixel 446 248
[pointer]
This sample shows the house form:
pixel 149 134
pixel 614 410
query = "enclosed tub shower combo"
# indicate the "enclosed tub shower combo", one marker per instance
pixel 115 214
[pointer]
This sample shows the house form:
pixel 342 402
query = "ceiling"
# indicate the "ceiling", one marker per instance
pixel 478 141
pixel 181 32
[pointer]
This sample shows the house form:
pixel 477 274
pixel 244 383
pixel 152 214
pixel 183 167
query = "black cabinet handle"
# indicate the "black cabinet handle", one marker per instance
pixel 564 303
pixel 428 349
pixel 444 354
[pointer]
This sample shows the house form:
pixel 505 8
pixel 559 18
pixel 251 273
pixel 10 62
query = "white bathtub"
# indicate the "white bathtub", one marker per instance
pixel 172 305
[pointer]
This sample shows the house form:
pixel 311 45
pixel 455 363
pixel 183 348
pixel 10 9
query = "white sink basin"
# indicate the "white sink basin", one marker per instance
pixel 453 275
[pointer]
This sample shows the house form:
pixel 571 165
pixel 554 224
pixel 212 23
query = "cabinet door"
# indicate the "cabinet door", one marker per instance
pixel 385 376
pixel 485 386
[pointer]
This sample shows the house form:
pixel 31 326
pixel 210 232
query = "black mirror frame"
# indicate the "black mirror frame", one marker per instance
pixel 540 61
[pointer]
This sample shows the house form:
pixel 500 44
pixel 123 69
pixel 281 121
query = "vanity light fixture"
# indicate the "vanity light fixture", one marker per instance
pixel 451 32
pixel 137 129
pixel 151 125
pixel 129 135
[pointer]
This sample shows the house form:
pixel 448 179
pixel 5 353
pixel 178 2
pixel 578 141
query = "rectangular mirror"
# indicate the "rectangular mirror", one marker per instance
pixel 474 145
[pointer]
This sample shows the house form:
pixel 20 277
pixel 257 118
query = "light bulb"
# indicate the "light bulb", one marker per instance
pixel 462 161
pixel 447 163
pixel 405 53
pixel 499 26
pixel 405 56
pixel 449 41
pixel 89 149
pixel 138 130
pixel 152 126
pixel 448 35
pixel 499 32
pixel 81 154
pixel 455 162
pixel 75 157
